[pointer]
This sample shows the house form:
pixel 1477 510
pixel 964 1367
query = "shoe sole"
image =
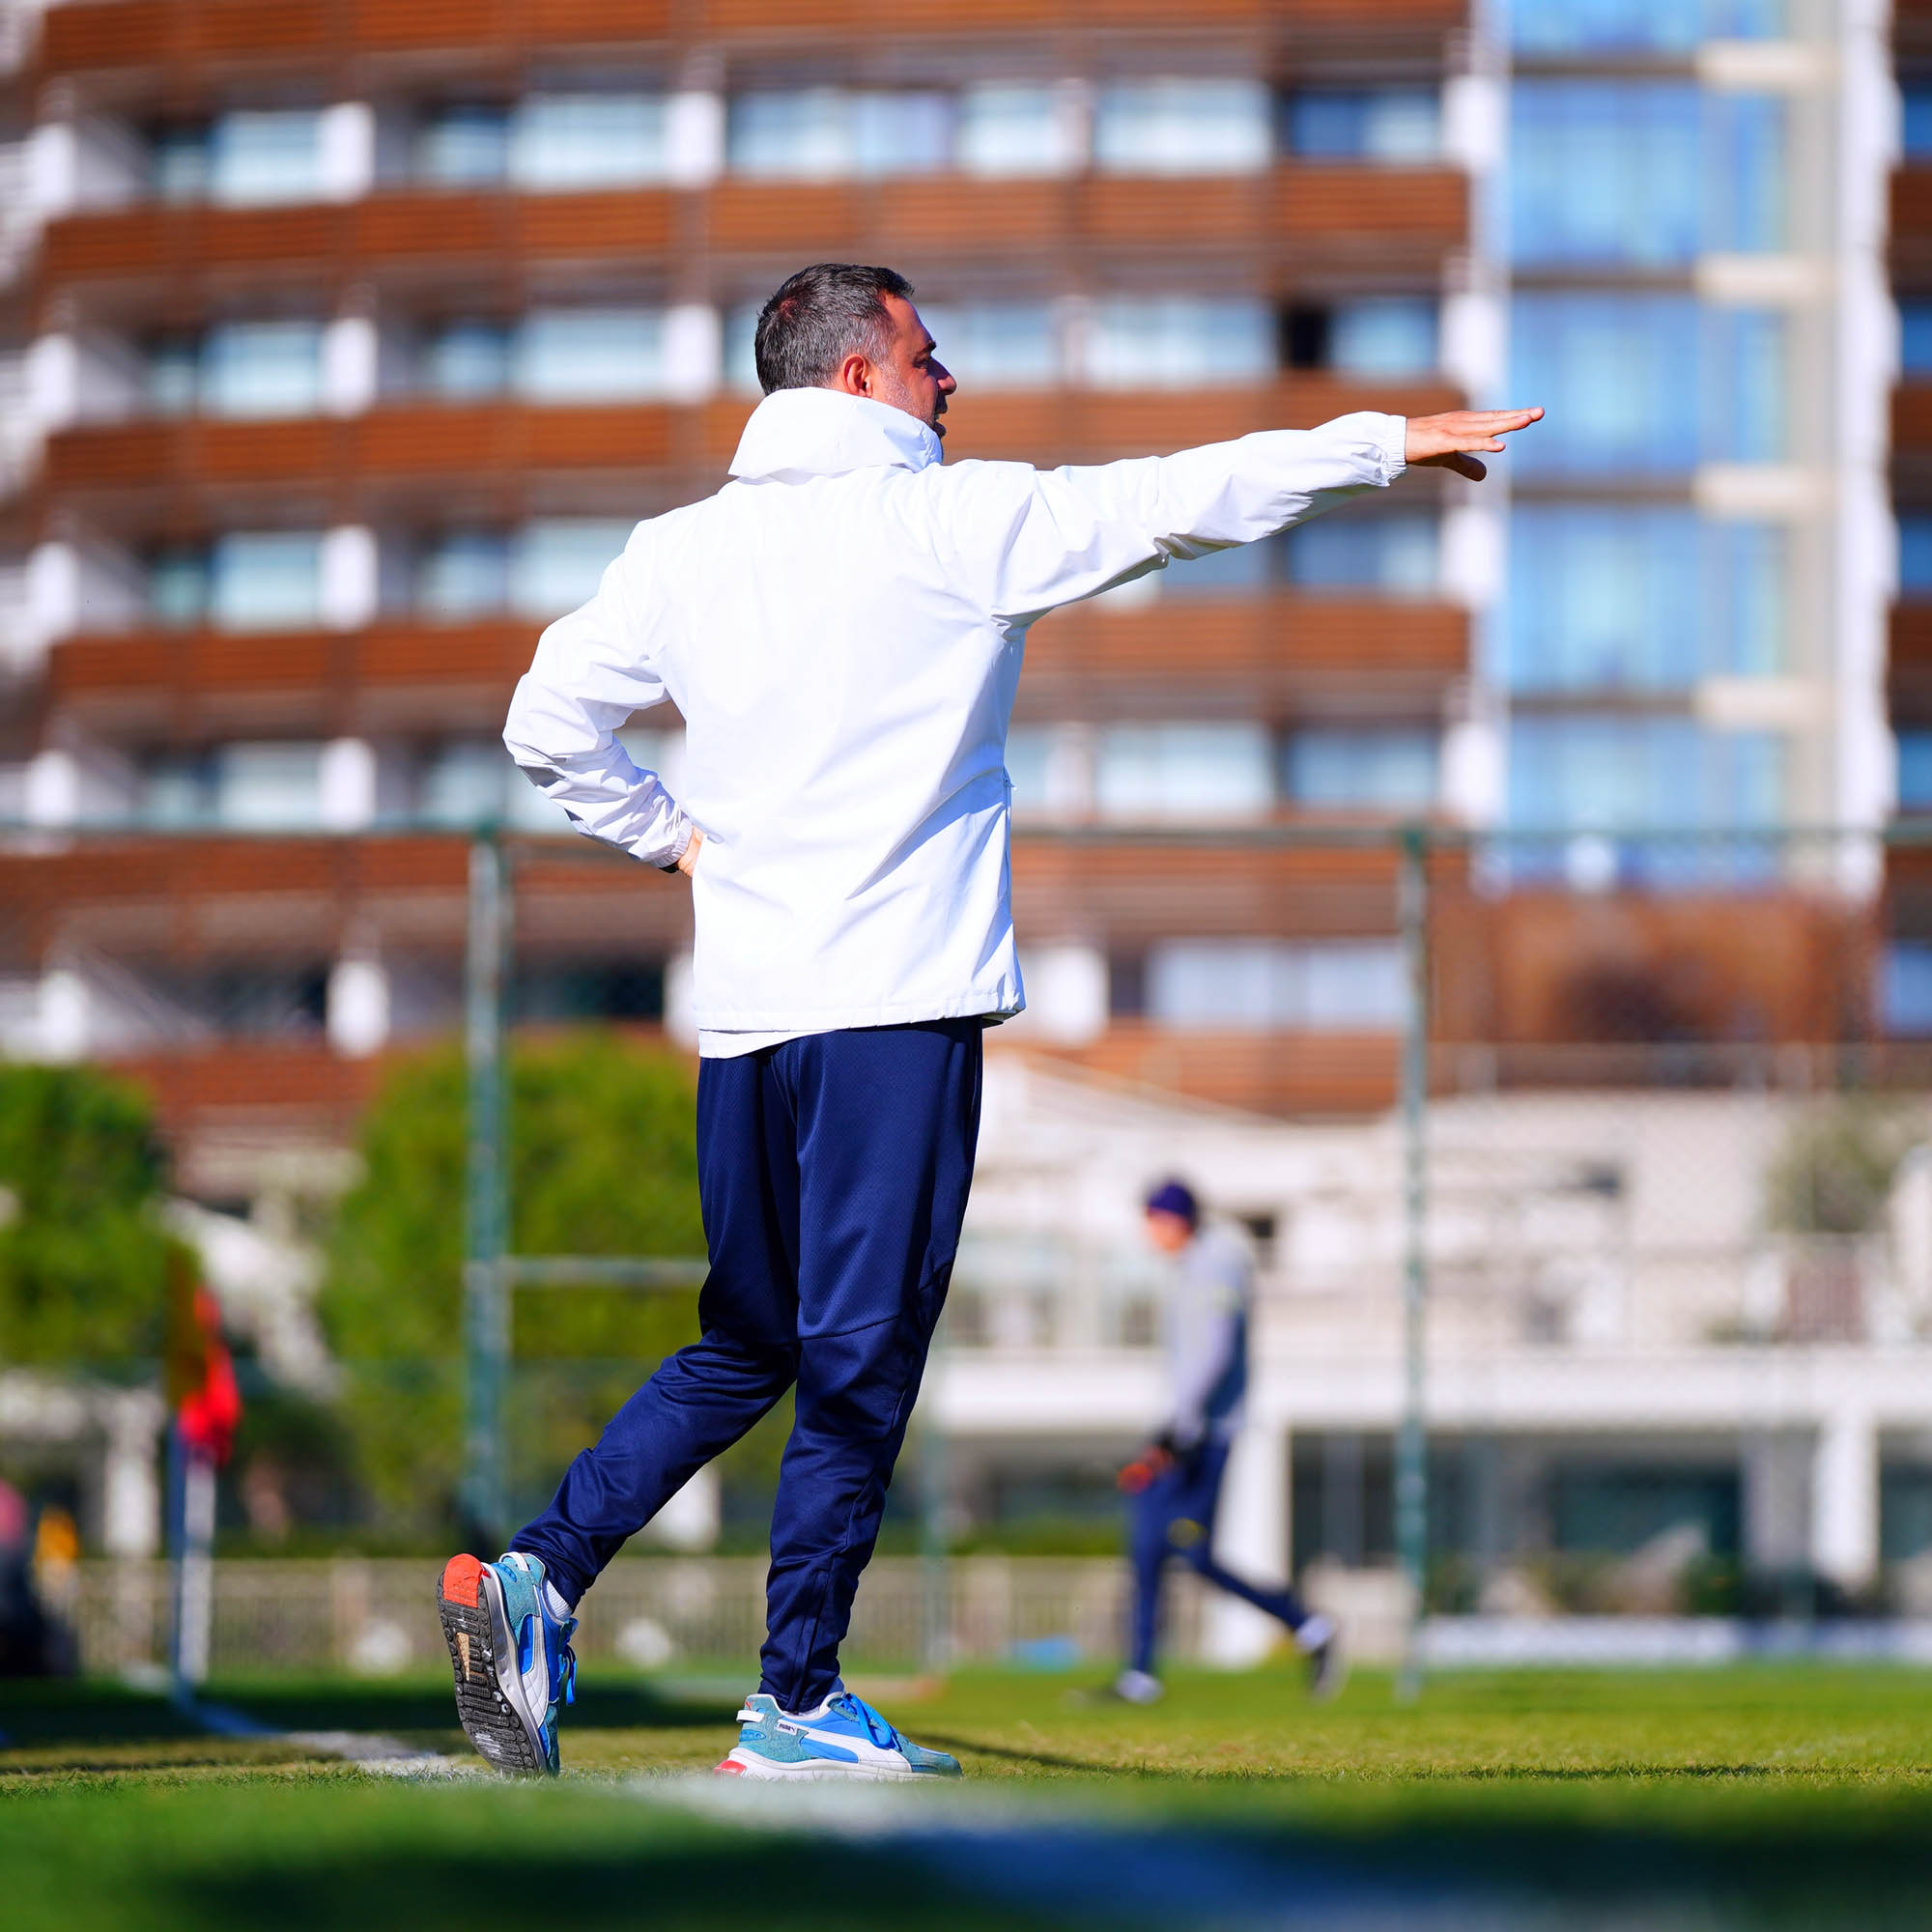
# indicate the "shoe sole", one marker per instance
pixel 476 1628
pixel 817 1769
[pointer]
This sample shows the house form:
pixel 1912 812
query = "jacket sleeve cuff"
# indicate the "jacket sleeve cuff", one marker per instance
pixel 1393 442
pixel 678 849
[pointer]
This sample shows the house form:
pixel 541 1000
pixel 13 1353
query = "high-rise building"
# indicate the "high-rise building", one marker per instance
pixel 340 357
pixel 1691 209
pixel 346 347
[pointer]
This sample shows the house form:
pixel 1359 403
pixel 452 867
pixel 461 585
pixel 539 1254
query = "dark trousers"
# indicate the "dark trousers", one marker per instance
pixel 1173 1516
pixel 832 1172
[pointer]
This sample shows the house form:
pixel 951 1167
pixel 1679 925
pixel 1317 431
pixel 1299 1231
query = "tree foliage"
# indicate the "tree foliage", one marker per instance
pixel 1833 1171
pixel 602 1160
pixel 83 1255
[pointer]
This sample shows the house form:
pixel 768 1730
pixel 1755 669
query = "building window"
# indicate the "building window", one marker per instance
pixel 260 369
pixel 265 581
pixel 1647 174
pixel 1915 553
pixel 1628 26
pixel 465 144
pixel 1183 771
pixel 551 355
pixel 462 574
pixel 563 994
pixel 1387 336
pixel 1916 130
pixel 1914 337
pixel 1180 342
pixel 244 158
pixel 468 359
pixel 274 787
pixel 1915 768
pixel 269 787
pixel 1013 130
pixel 261 157
pixel 1182 128
pixel 996 344
pixel 1371 337
pixel 828 133
pixel 1401 126
pixel 557 563
pixel 591 354
pixel 1610 774
pixel 1610 597
pixel 1647 384
pixel 1393 555
pixel 1345 768
pixel 245 580
pixel 178 161
pixel 1905 987
pixel 562 141
pixel 1265 986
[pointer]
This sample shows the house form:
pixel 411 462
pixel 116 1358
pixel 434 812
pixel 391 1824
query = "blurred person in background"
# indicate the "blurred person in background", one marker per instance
pixel 842 628
pixel 25 1628
pixel 1176 1481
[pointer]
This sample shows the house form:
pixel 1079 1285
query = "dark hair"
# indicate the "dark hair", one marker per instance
pixel 818 317
pixel 1175 1197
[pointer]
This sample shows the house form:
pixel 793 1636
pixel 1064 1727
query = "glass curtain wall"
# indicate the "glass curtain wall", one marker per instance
pixel 1626 599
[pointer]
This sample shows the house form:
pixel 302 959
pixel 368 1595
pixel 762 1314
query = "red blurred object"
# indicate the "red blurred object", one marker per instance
pixel 1149 1467
pixel 211 1411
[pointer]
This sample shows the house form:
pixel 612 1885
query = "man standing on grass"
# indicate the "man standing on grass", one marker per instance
pixel 841 628
pixel 1176 1480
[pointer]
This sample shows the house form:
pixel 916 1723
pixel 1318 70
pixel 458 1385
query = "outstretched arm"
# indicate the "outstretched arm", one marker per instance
pixel 1029 541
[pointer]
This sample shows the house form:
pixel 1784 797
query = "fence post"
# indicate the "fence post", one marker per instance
pixel 1411 1457
pixel 485 1292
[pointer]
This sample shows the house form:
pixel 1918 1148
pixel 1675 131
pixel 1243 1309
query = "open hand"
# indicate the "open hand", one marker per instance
pixel 1444 442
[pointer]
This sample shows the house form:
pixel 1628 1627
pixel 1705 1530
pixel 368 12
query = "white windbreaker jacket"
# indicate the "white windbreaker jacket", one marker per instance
pixel 842 628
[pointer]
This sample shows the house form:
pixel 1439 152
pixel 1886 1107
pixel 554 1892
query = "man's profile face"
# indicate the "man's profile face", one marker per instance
pixel 912 378
pixel 1169 1232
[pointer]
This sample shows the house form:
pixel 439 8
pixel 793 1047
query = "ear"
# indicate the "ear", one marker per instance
pixel 854 375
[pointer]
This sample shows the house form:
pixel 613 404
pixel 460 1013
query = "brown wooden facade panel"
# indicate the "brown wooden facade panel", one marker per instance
pixel 1298 218
pixel 1912 418
pixel 192 687
pixel 1908 669
pixel 109 34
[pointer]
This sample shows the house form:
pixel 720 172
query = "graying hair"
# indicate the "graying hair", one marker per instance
pixel 820 315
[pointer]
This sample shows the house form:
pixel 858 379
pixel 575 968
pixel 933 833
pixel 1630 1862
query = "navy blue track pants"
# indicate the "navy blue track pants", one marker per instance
pixel 1173 1516
pixel 832 1172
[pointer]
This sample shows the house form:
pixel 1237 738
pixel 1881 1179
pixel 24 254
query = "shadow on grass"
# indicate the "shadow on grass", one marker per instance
pixel 1092 1873
pixel 690 1890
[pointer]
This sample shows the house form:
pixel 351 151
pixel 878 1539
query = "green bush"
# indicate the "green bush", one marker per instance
pixel 1834 1171
pixel 602 1160
pixel 83 1255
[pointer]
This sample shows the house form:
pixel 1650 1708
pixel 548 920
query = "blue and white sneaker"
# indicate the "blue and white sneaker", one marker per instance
pixel 512 1659
pixel 843 1738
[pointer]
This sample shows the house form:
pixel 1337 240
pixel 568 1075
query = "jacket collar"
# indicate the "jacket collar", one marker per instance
pixel 797 434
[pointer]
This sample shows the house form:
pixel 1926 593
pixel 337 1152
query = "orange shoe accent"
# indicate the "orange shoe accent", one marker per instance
pixel 462 1579
pixel 730 1770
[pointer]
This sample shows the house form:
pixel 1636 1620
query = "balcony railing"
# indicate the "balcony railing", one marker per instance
pixel 1305 217
pixel 120 34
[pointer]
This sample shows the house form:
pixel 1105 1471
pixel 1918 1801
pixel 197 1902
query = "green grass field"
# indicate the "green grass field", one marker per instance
pixel 1755 1797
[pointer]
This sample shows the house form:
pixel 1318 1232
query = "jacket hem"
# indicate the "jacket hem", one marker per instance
pixel 772 1020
